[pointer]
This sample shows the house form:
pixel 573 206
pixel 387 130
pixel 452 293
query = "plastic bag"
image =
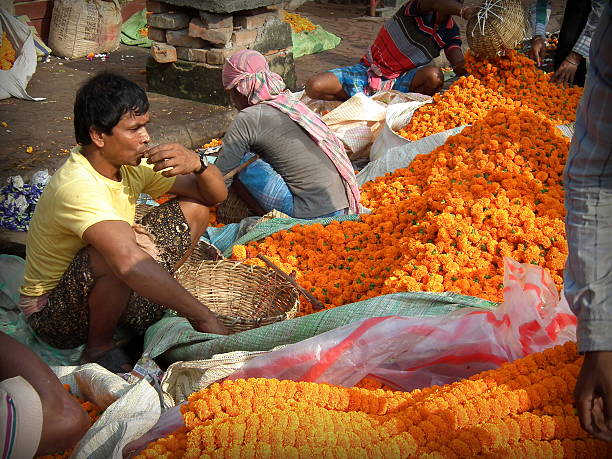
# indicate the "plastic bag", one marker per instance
pixel 397 117
pixel 409 353
pixel 13 82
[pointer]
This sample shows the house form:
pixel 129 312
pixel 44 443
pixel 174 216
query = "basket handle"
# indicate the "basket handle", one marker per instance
pixel 316 304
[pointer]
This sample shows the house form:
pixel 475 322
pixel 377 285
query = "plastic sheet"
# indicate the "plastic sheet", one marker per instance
pixel 409 353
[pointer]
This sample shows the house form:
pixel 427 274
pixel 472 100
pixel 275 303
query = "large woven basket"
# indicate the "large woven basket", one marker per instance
pixel 233 209
pixel 498 25
pixel 242 296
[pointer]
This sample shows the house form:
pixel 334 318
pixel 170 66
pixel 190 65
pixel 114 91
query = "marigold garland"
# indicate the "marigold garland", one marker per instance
pixel 495 414
pixel 512 82
pixel 94 413
pixel 298 23
pixel 442 224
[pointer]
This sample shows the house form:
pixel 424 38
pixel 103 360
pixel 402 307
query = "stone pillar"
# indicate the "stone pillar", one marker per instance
pixel 193 43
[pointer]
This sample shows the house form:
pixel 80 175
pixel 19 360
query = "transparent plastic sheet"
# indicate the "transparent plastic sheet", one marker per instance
pixel 408 353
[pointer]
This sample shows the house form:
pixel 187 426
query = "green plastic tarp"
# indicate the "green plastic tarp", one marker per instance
pixel 313 42
pixel 130 30
pixel 175 338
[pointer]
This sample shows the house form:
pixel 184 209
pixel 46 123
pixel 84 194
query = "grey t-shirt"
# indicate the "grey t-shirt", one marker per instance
pixel 311 176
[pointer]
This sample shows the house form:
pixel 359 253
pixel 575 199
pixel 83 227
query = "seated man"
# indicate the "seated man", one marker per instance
pixel 304 170
pixel 88 269
pixel 399 56
pixel 37 415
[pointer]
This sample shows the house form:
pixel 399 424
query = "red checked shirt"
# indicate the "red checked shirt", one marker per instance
pixel 409 40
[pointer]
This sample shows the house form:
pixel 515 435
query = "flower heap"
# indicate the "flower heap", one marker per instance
pixel 298 23
pixel 7 53
pixel 445 222
pixel 511 82
pixel 94 413
pixel 522 409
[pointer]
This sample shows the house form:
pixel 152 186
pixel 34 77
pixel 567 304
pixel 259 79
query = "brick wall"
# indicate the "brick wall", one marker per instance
pixel 40 11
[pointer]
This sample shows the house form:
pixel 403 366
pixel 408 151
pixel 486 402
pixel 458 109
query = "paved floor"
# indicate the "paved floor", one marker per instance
pixel 47 126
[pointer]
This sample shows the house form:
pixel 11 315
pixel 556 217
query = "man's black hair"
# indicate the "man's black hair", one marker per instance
pixel 102 101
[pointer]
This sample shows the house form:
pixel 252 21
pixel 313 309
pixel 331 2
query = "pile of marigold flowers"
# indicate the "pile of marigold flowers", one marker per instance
pixel 512 82
pixel 298 23
pixel 94 413
pixel 7 53
pixel 213 143
pixel 445 223
pixel 522 409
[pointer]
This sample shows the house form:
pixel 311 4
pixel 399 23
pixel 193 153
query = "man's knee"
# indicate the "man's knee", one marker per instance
pixel 317 86
pixel 196 214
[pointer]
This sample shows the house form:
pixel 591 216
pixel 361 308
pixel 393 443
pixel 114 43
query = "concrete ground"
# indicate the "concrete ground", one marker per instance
pixel 47 126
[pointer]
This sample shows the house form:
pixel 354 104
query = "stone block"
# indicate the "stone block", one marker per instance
pixel 157 7
pixel 216 36
pixel 191 54
pixel 222 6
pixel 243 37
pixel 163 53
pixel 253 22
pixel 202 82
pixel 216 21
pixel 182 38
pixel 158 35
pixel 217 56
pixel 169 21
pixel 275 35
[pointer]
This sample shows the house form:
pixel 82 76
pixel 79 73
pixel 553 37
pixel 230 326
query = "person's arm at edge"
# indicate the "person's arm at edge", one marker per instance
pixel 116 242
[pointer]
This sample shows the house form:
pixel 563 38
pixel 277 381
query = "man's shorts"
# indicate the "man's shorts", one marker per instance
pixel 63 322
pixel 354 80
pixel 21 418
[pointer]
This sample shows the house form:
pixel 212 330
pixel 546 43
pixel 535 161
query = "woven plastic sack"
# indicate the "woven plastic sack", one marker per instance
pixel 130 410
pixel 397 117
pixel 410 353
pixel 13 82
pixel 80 27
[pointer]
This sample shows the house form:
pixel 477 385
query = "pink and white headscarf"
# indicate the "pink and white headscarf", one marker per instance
pixel 249 73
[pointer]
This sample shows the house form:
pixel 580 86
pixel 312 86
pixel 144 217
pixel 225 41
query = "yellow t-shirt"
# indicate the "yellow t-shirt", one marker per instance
pixel 76 198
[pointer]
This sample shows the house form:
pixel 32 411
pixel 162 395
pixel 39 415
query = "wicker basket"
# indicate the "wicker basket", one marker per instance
pixel 233 209
pixel 498 25
pixel 242 296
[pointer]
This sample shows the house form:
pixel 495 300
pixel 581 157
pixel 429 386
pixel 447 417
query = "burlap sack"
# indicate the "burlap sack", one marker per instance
pixel 80 27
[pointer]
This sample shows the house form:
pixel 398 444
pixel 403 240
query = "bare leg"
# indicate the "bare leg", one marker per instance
pixel 109 296
pixel 325 86
pixel 107 301
pixel 64 420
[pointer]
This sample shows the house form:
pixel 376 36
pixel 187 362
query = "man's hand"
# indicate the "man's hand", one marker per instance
pixel 210 326
pixel 459 69
pixel 567 70
pixel 467 13
pixel 538 49
pixel 593 394
pixel 174 157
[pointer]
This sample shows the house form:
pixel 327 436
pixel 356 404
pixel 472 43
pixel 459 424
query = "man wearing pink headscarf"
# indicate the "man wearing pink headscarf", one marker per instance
pixel 304 170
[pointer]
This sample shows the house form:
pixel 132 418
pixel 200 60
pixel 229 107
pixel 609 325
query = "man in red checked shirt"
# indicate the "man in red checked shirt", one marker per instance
pixel 399 56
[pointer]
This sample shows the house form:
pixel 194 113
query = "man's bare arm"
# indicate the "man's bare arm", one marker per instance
pixel 457 61
pixel 447 7
pixel 207 187
pixel 116 242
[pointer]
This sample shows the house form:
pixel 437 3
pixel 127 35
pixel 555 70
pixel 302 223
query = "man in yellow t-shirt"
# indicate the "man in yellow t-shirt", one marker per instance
pixel 89 267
